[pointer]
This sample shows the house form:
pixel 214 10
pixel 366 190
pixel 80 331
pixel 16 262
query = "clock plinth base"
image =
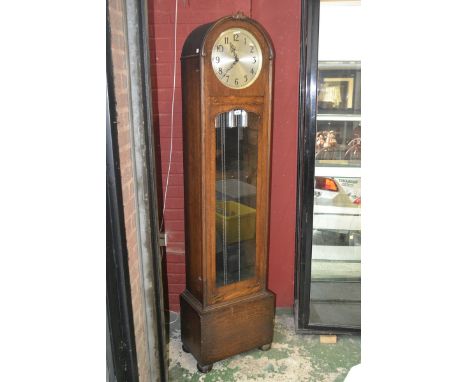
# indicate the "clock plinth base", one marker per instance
pixel 220 331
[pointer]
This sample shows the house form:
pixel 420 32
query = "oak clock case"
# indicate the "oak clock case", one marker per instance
pixel 226 308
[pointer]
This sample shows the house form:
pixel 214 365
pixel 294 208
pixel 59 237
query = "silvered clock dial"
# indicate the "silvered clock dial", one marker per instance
pixel 236 58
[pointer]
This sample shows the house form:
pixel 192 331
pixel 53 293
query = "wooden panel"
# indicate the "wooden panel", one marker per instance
pixel 191 106
pixel 215 333
pixel 190 324
pixel 238 327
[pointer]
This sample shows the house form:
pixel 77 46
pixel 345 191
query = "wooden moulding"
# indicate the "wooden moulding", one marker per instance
pixel 226 329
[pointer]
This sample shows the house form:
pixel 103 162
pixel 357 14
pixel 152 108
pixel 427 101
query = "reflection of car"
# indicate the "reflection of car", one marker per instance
pixel 329 192
pixel 337 212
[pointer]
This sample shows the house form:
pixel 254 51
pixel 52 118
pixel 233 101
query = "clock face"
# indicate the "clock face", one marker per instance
pixel 236 58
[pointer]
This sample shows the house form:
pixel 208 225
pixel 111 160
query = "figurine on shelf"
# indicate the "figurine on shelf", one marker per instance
pixel 330 140
pixel 319 141
pixel 325 140
pixel 354 150
pixel 354 146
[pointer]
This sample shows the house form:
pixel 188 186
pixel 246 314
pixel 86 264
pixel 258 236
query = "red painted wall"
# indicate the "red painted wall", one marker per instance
pixel 282 21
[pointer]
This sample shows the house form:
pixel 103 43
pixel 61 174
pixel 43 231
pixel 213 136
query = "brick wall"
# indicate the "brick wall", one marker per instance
pixel 161 14
pixel 120 72
pixel 282 21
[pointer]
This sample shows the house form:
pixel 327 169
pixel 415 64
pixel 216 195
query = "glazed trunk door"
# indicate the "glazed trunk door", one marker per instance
pixel 237 203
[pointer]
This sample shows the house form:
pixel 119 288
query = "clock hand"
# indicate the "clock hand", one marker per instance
pixel 234 63
pixel 233 51
pixel 236 59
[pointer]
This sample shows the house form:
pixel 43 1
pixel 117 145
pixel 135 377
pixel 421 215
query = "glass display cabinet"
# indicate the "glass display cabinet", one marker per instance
pixel 335 275
pixel 328 250
pixel 226 308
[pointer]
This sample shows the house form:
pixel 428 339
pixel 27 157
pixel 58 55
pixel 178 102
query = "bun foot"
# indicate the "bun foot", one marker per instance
pixel 185 349
pixel 265 347
pixel 204 369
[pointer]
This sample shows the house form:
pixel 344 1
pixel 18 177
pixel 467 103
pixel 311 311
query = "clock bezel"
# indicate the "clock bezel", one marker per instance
pixel 257 46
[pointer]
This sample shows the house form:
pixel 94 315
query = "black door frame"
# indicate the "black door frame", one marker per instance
pixel 310 16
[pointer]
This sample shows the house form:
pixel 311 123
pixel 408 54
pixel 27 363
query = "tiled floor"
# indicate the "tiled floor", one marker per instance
pixel 292 358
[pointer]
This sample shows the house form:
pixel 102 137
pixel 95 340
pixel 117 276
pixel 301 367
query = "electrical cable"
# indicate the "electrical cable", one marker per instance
pixel 172 115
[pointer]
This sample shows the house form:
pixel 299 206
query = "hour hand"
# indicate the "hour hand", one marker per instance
pixel 233 51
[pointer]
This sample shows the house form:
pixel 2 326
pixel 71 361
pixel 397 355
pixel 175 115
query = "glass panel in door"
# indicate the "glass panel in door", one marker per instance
pixel 335 290
pixel 236 195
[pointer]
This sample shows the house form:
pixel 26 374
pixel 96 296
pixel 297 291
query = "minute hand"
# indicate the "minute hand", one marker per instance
pixel 236 60
pixel 234 63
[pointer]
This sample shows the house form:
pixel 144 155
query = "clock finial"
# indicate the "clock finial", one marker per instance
pixel 240 15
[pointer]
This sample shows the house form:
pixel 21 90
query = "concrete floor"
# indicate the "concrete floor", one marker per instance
pixel 292 358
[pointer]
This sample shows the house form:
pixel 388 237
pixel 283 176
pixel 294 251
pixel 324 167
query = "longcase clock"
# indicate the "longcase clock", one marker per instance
pixel 226 309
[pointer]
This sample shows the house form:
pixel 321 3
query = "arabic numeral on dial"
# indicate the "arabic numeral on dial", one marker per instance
pixel 220 48
pixel 252 71
pixel 236 81
pixel 245 40
pixel 227 78
pixel 217 59
pixel 254 59
pixel 251 49
pixel 236 37
pixel 245 78
pixel 226 40
pixel 220 70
